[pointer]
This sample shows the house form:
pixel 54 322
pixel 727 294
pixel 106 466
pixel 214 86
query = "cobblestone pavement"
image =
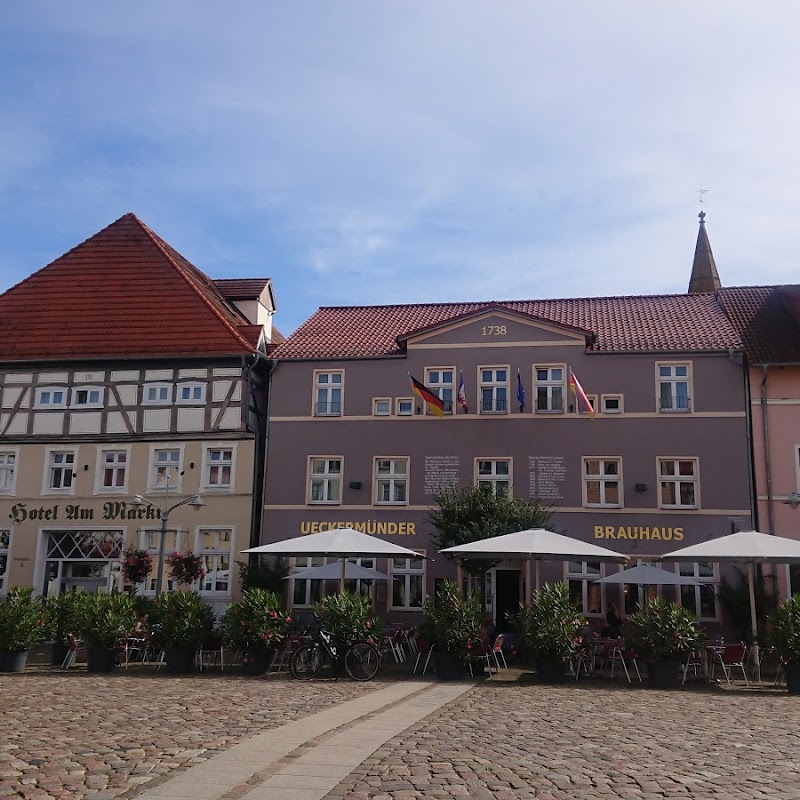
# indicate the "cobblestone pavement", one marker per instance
pixel 73 736
pixel 504 741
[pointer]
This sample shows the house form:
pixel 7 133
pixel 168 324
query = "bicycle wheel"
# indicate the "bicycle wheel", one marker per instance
pixel 306 662
pixel 361 661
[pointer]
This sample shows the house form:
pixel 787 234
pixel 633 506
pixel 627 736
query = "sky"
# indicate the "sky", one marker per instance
pixel 402 151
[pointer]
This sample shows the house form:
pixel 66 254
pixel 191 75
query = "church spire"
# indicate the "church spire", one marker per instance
pixel 704 271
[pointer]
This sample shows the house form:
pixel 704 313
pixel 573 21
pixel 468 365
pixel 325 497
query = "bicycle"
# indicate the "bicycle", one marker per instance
pixel 361 658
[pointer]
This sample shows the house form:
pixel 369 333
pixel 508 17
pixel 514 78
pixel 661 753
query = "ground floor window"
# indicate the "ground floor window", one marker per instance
pixel 150 540
pixel 83 559
pixel 216 548
pixel 581 577
pixel 408 583
pixel 702 599
pixel 794 579
pixel 305 592
pixel 5 546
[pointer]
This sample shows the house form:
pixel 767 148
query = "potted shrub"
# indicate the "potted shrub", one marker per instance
pixel 663 634
pixel 453 626
pixel 784 636
pixel 62 620
pixel 22 624
pixel 185 568
pixel 550 629
pixel 183 621
pixel 255 625
pixel 104 620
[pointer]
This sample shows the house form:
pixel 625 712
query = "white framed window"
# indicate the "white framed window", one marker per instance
pixel 325 480
pixel 611 404
pixel 549 387
pixel 165 468
pixel 408 583
pixel 678 483
pixel 702 599
pixel 674 387
pixel 8 471
pixel 391 481
pixel 218 468
pixel 88 397
pixel 157 394
pixel 382 406
pixel 360 585
pixel 5 550
pixel 215 545
pixel 602 482
pixel 404 407
pixel 113 470
pixel 494 390
pixel 493 474
pixel 328 388
pixel 441 381
pixel 307 592
pixel 61 471
pixel 191 393
pixel 50 397
pixel 580 577
pixel 149 539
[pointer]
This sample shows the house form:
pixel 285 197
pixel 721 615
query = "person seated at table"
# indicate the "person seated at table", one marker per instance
pixel 141 629
pixel 613 627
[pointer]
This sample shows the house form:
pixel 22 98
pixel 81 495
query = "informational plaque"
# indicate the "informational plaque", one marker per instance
pixel 546 477
pixel 441 472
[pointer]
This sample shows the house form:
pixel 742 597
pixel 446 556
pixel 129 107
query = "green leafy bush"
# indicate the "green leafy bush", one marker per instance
pixel 453 622
pixel 663 631
pixel 63 615
pixel 183 620
pixel 104 620
pixel 256 622
pixel 348 616
pixel 22 620
pixel 784 633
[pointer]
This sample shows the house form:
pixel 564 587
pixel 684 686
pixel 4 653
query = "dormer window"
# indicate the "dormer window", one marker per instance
pixel 87 397
pixel 157 394
pixel 50 397
pixel 192 393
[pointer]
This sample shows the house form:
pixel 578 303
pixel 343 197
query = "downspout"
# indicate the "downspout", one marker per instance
pixel 767 463
pixel 258 490
pixel 273 365
pixel 748 399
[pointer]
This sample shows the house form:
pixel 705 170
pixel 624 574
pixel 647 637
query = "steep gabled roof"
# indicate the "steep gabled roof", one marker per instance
pixel 705 277
pixel 660 323
pixel 241 288
pixel 123 293
pixel 768 321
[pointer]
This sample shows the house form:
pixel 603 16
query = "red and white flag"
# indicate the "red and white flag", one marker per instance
pixel 462 394
pixel 582 403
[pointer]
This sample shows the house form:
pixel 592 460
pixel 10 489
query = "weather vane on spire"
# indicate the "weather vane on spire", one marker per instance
pixel 702 192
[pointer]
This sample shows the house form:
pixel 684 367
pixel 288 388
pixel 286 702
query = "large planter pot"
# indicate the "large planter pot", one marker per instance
pixel 13 662
pixel 101 659
pixel 448 666
pixel 255 663
pixel 58 653
pixel 663 674
pixel 179 660
pixel 793 678
pixel 550 670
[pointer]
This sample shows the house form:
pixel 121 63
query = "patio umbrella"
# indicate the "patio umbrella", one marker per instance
pixel 537 544
pixel 648 575
pixel 327 572
pixel 748 547
pixel 343 543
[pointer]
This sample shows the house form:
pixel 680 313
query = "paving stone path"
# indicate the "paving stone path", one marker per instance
pixel 74 736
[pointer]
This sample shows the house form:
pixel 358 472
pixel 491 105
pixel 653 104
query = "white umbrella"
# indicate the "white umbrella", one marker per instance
pixel 537 544
pixel 327 572
pixel 648 575
pixel 343 543
pixel 749 547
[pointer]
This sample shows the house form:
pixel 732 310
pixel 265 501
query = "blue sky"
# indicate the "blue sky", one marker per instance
pixel 391 151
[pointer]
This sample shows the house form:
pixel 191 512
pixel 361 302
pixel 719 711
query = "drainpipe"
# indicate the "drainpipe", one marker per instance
pixel 748 398
pixel 767 463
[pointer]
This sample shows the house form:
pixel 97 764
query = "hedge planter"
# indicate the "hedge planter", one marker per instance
pixel 179 660
pixel 448 667
pixel 550 671
pixel 255 663
pixel 13 662
pixel 101 659
pixel 663 674
pixel 793 678
pixel 58 653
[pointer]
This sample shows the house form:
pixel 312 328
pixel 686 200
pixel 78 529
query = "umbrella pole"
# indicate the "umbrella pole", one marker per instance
pixel 341 577
pixel 538 575
pixel 753 622
pixel 528 591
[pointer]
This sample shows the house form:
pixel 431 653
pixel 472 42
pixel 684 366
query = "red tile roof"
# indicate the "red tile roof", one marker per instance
pixel 241 288
pixel 768 321
pixel 122 293
pixel 660 323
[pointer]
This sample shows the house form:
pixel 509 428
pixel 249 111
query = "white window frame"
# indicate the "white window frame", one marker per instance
pixel 326 479
pixel 494 478
pixel 194 387
pixel 409 404
pixel 156 484
pixel 549 385
pixel 160 388
pixel 102 465
pixel 6 535
pixel 149 540
pixel 379 403
pixel 9 466
pixel 211 558
pixel 43 397
pixel 50 465
pixel 602 478
pixel 495 388
pixel 709 581
pixel 677 479
pixel 89 403
pixel 587 578
pixel 445 390
pixel 673 381
pixel 604 400
pixel 298 563
pixel 328 387
pixel 393 479
pixel 209 464
pixel 405 573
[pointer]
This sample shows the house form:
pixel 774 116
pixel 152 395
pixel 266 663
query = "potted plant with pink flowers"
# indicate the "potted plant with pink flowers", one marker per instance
pixel 186 568
pixel 136 565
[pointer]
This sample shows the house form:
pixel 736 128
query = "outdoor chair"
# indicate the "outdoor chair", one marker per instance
pixel 73 645
pixel 481 654
pixel 135 649
pixel 497 649
pixel 424 650
pixel 211 654
pixel 729 657
pixel 695 661
pixel 282 656
pixel 624 656
pixel 583 660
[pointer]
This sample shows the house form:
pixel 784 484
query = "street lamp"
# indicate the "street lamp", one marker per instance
pixel 195 501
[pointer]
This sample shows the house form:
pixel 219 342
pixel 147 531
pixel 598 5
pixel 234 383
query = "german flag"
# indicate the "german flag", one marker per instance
pixel 434 404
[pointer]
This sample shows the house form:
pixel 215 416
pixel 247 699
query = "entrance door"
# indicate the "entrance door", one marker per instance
pixel 507 595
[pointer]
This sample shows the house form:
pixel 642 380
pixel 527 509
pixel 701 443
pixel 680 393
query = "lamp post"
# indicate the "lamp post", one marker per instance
pixel 195 501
